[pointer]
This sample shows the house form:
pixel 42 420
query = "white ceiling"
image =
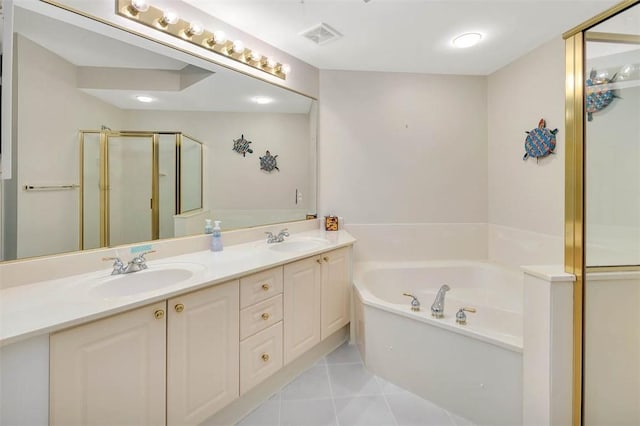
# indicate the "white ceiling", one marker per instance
pixel 406 35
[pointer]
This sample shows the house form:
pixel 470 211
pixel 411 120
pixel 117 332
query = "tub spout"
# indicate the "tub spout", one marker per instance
pixel 437 309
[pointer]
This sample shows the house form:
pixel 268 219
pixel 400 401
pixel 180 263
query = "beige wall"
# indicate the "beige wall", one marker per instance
pixel 525 195
pixel 397 147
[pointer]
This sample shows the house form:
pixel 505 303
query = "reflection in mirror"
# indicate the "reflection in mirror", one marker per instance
pixel 612 141
pixel 190 174
pixel 611 333
pixel 69 77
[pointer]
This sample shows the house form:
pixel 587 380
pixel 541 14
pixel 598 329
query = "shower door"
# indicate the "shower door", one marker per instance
pixel 130 188
pixel 611 347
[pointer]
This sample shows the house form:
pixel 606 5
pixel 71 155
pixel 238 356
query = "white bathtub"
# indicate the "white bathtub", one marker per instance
pixel 474 370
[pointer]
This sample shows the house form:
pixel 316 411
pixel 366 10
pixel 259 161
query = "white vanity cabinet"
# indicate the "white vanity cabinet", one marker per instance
pixel 114 371
pixel 202 353
pixel 260 327
pixel 336 301
pixel 110 371
pixel 302 291
pixel 316 300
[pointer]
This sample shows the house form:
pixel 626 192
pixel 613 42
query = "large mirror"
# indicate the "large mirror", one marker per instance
pixel 70 78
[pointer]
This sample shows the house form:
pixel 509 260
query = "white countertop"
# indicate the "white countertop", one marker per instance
pixel 46 306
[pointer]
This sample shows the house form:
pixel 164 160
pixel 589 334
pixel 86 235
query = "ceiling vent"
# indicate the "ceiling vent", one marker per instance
pixel 321 34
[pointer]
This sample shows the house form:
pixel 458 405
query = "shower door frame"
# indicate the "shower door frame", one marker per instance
pixel 104 180
pixel 574 229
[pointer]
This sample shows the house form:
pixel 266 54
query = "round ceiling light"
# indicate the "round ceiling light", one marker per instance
pixel 145 99
pixel 262 100
pixel 467 40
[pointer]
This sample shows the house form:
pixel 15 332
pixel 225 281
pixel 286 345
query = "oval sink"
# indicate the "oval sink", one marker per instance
pixel 299 245
pixel 143 281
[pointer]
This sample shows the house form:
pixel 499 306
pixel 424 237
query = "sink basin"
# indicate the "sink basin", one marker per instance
pixel 155 277
pixel 299 245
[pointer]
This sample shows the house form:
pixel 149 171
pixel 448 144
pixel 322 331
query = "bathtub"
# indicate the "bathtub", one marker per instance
pixel 473 370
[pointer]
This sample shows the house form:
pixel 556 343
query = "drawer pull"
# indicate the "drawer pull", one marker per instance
pixel 159 314
pixel 326 259
pixel 266 287
pixel 265 316
pixel 179 307
pixel 319 260
pixel 265 357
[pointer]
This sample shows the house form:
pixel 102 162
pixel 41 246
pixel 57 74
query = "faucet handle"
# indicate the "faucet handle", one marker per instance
pixel 142 255
pixel 284 232
pixel 461 317
pixel 415 303
pixel 118 265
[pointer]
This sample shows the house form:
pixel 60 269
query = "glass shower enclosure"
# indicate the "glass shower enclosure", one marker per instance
pixel 134 183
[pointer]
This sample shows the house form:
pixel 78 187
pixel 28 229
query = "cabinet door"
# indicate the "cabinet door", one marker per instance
pixel 301 307
pixel 335 291
pixel 110 371
pixel 202 353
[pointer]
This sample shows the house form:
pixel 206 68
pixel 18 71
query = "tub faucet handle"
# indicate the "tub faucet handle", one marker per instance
pixel 415 303
pixel 461 317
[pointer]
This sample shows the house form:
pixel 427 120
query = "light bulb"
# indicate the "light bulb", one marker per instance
pixel 262 100
pixel 467 40
pixel 238 47
pixel 169 17
pixel 285 68
pixel 195 29
pixel 138 6
pixel 219 37
pixel 271 62
pixel 255 56
pixel 144 99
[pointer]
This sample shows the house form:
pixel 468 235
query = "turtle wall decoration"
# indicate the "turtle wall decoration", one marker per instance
pixel 269 162
pixel 598 93
pixel 241 146
pixel 540 141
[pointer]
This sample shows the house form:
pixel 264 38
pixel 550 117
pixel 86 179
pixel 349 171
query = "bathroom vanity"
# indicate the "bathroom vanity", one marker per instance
pixel 179 352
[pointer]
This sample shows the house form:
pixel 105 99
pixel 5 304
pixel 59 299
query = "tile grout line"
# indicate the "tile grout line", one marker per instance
pixel 333 400
pixel 386 401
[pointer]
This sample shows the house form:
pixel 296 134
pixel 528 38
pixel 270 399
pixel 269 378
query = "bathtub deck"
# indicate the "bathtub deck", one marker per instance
pixel 338 390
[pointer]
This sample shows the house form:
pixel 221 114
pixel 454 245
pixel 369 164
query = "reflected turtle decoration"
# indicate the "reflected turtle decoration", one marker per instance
pixel 268 163
pixel 599 93
pixel 540 141
pixel 241 146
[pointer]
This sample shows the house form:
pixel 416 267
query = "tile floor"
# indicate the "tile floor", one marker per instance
pixel 338 390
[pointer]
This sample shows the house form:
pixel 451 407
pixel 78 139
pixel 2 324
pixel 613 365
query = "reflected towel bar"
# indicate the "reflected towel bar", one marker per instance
pixel 49 187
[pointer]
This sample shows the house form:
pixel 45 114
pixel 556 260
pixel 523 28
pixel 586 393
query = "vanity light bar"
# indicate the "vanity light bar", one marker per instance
pixel 193 32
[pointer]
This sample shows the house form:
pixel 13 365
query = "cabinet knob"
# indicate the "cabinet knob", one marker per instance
pixel 265 316
pixel 179 307
pixel 319 260
pixel 159 314
pixel 266 287
pixel 265 357
pixel 326 259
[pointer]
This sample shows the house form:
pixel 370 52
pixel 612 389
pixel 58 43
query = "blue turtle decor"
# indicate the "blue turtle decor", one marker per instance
pixel 268 163
pixel 241 146
pixel 540 141
pixel 599 93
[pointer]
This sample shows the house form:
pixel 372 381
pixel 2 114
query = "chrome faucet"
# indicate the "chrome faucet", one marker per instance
pixel 277 238
pixel 415 303
pixel 118 266
pixel 136 264
pixel 437 309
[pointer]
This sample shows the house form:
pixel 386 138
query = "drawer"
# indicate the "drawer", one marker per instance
pixel 259 316
pixel 260 286
pixel 260 356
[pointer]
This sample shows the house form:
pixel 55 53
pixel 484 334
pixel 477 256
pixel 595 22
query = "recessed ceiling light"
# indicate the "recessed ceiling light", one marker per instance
pixel 467 40
pixel 145 99
pixel 262 100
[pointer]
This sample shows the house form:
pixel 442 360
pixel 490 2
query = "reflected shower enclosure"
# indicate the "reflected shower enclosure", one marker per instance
pixel 133 184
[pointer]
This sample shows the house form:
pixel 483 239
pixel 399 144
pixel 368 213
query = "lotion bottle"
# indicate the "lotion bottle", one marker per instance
pixel 216 240
pixel 208 228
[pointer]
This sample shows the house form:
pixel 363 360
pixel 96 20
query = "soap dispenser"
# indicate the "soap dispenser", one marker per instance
pixel 216 240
